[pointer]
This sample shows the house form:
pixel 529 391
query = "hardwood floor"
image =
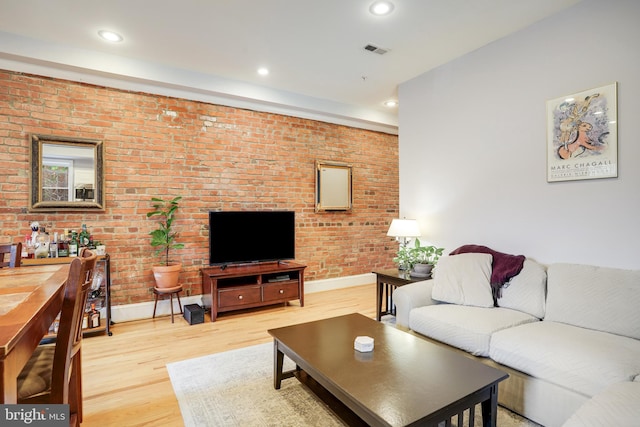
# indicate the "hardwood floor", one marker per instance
pixel 125 381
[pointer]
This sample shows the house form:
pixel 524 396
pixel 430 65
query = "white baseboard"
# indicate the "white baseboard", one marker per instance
pixel 338 283
pixel 144 310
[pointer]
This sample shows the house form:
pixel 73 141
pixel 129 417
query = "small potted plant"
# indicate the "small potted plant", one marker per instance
pixel 164 239
pixel 423 258
pixel 404 258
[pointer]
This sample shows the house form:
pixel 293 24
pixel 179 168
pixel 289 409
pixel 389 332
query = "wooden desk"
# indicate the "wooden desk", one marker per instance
pixel 30 299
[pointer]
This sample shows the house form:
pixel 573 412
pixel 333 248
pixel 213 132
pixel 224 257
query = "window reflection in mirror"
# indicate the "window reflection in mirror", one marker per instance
pixel 66 174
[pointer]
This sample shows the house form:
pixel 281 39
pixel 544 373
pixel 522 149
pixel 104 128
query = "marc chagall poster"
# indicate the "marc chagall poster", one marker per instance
pixel 582 137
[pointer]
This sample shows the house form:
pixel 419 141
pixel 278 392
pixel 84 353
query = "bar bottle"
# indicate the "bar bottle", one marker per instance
pixel 73 245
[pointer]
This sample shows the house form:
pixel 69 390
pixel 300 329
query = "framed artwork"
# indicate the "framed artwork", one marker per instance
pixel 582 135
pixel 333 186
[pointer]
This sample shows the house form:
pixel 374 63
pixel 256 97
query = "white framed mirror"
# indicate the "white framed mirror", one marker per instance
pixel 67 174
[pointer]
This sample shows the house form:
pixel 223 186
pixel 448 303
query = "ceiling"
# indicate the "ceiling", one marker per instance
pixel 210 50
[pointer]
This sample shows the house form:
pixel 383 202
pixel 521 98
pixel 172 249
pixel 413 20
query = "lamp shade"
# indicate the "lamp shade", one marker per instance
pixel 404 228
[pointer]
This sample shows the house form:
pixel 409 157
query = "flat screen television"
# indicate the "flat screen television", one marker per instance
pixel 237 237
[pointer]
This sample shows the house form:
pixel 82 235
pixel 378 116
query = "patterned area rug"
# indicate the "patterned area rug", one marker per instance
pixel 235 388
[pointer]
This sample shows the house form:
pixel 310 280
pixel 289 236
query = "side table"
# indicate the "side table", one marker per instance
pixel 387 281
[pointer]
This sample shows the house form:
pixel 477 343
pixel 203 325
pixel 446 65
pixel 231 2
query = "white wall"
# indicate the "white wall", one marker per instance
pixel 473 142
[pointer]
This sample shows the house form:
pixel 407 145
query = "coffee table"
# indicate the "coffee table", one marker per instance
pixel 404 381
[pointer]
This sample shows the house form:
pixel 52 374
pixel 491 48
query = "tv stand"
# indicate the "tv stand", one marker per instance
pixel 229 287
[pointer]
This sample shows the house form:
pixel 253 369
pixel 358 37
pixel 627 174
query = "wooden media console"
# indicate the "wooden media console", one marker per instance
pixel 252 285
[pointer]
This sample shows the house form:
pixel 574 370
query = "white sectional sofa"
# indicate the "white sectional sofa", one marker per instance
pixel 568 335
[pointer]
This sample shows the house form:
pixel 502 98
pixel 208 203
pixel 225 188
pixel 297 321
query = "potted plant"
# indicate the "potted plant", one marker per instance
pixel 425 258
pixel 164 239
pixel 419 259
pixel 404 258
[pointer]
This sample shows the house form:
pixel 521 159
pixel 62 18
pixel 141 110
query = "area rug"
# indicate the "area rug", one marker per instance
pixel 235 388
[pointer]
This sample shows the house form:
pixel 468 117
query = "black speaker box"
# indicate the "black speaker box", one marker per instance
pixel 193 314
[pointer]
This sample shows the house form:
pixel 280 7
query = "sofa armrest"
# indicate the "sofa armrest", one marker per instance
pixel 408 297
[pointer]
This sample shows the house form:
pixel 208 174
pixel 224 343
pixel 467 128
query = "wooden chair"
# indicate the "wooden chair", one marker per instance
pixel 53 373
pixel 10 255
pixel 167 291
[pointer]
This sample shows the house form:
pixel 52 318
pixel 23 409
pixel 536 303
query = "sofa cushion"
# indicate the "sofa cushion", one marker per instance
pixel 464 279
pixel 617 405
pixel 604 299
pixel 503 266
pixel 527 291
pixel 465 327
pixel 579 359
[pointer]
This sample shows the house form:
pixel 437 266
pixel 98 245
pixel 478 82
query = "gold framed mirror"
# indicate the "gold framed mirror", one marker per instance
pixel 333 186
pixel 67 174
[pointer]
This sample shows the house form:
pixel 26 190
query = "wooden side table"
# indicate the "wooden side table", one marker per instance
pixel 387 281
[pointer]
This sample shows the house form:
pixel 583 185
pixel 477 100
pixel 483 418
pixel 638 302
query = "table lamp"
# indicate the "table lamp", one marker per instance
pixel 402 229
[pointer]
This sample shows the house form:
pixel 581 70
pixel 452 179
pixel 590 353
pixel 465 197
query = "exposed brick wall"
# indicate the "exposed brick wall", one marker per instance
pixel 216 157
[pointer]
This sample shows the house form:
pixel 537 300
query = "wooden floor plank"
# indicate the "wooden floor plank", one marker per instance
pixel 125 381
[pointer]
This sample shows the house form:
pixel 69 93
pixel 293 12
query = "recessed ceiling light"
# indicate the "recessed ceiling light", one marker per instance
pixel 263 71
pixel 391 103
pixel 110 36
pixel 381 8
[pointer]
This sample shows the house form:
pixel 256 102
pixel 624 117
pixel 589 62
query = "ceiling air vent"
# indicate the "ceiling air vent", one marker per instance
pixel 376 49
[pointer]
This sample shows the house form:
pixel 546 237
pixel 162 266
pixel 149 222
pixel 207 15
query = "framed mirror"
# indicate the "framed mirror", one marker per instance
pixel 67 174
pixel 333 186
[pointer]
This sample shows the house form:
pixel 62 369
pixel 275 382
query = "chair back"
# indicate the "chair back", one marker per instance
pixel 10 255
pixel 69 338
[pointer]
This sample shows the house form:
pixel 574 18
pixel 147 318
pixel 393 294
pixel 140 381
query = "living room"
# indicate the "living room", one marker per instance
pixel 468 161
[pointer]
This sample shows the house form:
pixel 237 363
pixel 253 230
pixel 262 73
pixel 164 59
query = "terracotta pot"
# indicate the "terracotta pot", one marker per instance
pixel 167 275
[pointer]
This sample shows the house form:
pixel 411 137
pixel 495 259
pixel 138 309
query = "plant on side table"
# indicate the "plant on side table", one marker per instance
pixel 403 258
pixel 164 239
pixel 418 259
pixel 426 257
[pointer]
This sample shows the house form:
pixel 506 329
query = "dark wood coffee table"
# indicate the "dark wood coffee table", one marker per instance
pixel 404 381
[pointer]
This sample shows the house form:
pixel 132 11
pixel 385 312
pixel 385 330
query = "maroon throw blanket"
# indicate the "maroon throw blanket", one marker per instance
pixel 503 266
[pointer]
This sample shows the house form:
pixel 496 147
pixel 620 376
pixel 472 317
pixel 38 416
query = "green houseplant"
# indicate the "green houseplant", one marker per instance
pixel 417 258
pixel 426 254
pixel 164 239
pixel 424 259
pixel 403 258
